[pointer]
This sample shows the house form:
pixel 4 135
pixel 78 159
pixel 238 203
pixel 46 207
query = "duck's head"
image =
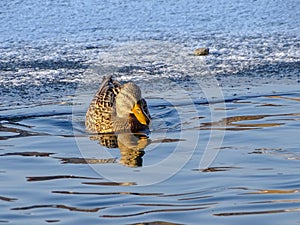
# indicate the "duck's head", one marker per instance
pixel 129 101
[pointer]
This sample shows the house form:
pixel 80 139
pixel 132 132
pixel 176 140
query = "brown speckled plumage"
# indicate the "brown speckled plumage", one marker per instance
pixel 102 114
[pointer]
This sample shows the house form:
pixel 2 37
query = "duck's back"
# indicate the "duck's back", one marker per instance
pixel 101 109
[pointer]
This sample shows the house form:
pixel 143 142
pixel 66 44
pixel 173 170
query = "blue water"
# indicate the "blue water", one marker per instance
pixel 223 146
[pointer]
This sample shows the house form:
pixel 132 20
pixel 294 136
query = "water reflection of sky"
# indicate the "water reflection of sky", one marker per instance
pixel 255 173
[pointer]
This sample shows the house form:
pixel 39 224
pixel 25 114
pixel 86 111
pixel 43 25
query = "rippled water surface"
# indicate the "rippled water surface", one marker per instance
pixel 224 140
pixel 47 178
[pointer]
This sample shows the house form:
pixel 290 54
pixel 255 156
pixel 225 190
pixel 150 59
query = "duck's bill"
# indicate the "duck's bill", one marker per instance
pixel 139 113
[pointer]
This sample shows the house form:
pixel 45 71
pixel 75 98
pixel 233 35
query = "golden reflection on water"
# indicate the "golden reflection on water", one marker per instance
pixel 131 146
pixel 277 201
pixel 284 98
pixel 257 212
pixel 269 191
pixel 237 122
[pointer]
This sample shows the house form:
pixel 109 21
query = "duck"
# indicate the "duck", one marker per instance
pixel 117 107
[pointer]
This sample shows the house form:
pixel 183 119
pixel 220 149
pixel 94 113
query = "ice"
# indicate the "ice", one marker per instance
pixel 48 48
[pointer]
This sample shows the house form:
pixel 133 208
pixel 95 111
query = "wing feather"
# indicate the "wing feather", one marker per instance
pixel 101 109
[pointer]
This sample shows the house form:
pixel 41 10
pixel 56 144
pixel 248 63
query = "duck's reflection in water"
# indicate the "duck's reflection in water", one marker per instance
pixel 131 146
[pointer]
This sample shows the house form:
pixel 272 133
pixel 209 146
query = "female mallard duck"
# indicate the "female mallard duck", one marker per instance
pixel 117 107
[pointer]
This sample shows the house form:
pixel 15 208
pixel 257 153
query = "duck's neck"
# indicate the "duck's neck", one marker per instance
pixel 121 124
pixel 128 124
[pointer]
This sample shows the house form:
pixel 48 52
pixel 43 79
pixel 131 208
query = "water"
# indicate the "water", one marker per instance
pixel 223 146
